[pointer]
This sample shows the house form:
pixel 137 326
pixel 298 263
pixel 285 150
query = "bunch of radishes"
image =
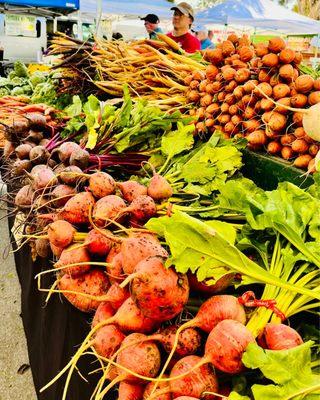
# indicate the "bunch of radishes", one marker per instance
pixel 257 92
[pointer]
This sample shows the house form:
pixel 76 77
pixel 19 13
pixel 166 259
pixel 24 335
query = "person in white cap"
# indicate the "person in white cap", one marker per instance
pixel 182 20
pixel 202 34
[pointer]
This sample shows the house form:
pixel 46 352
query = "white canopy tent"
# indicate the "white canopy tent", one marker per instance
pixel 261 14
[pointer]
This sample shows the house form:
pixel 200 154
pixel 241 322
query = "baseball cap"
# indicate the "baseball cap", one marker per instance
pixel 152 18
pixel 185 9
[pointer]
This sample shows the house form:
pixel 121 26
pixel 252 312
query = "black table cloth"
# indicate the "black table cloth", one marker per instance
pixel 53 331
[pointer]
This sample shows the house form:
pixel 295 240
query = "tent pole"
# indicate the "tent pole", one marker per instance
pixel 80 32
pixel 98 17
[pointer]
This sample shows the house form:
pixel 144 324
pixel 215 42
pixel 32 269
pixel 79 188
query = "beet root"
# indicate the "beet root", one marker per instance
pixel 107 340
pixel 188 344
pixel 61 233
pixel 77 209
pixel 97 243
pixel 159 293
pixel 74 255
pixel 93 283
pixel 194 384
pixel 108 208
pixel 281 337
pixel 66 149
pixel 142 208
pixel 71 175
pixel 132 189
pixel 226 344
pixel 24 197
pixel 143 358
pixel 103 312
pixel 101 184
pixel 135 249
pixel 159 188
pixel 61 194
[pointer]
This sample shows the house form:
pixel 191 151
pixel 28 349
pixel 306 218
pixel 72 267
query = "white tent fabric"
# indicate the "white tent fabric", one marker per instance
pixel 137 8
pixel 264 14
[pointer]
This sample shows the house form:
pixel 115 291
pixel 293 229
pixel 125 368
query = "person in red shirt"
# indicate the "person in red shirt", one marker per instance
pixel 182 20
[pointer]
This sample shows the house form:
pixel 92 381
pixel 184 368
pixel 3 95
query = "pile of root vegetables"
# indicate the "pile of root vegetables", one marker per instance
pixel 151 68
pixel 258 92
pixel 167 294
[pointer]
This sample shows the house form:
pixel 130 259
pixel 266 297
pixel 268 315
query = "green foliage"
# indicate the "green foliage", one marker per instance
pixel 290 370
pixel 20 69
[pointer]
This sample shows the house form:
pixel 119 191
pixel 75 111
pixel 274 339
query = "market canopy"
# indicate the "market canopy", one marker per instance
pixel 264 14
pixel 129 7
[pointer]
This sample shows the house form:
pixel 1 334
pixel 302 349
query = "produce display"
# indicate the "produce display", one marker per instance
pixel 258 92
pixel 198 284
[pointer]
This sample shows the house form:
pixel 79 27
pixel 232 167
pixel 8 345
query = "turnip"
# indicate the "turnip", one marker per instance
pixel 159 293
pixel 131 189
pixel 281 337
pixel 101 184
pixel 107 209
pixel 77 209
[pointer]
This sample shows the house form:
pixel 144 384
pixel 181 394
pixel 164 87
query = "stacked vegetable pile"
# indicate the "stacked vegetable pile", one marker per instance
pixel 170 260
pixel 150 68
pixel 257 92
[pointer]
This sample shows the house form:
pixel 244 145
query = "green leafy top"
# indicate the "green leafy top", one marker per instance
pixel 290 370
pixel 205 246
pixel 208 166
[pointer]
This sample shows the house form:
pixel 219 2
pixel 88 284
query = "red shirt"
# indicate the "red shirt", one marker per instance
pixel 188 42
